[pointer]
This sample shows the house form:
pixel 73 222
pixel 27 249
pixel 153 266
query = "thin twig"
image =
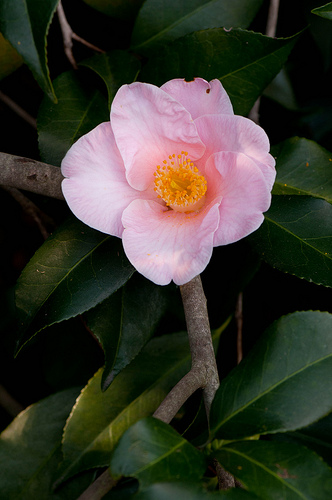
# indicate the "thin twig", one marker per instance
pixel 18 110
pixel 271 28
pixel 32 210
pixel 272 18
pixel 69 35
pixel 102 485
pixel 12 407
pixel 239 326
pixel 30 175
pixel 254 112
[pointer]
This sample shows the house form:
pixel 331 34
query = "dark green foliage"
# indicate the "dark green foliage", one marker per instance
pixel 270 424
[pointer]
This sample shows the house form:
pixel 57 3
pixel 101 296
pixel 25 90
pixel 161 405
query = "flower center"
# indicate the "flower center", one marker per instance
pixel 179 183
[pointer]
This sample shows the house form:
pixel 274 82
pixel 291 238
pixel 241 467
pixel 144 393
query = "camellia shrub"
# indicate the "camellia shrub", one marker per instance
pixel 166 185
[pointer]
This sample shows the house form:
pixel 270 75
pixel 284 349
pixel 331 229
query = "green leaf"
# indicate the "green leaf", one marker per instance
pixel 30 448
pixel 303 168
pixel 317 436
pixel 187 491
pixel 10 59
pixel 324 11
pixel 125 322
pixel 115 68
pixel 124 490
pixel 123 9
pixel 244 62
pixel 74 270
pixel 152 451
pixel 79 110
pixel 296 238
pixel 277 470
pixel 284 382
pixel 281 91
pixel 100 418
pixel 25 24
pixel 162 21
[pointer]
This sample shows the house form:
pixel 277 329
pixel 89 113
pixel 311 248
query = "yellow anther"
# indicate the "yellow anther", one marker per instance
pixel 180 184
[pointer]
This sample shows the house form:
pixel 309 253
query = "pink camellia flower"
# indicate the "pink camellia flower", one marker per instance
pixel 174 174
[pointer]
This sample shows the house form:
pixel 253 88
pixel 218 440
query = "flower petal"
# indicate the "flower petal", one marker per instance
pixel 237 134
pixel 245 196
pixel 165 245
pixel 96 188
pixel 200 97
pixel 149 125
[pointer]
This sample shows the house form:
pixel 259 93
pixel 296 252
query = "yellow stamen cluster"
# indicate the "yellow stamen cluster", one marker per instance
pixel 179 183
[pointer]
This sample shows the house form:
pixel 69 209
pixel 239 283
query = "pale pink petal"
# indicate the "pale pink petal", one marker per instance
pixel 200 97
pixel 267 166
pixel 149 125
pixel 245 196
pixel 165 245
pixel 237 134
pixel 95 187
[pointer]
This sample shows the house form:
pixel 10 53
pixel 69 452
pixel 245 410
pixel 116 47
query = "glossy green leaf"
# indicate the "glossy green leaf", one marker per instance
pixel 277 471
pixel 74 270
pixel 125 322
pixel 162 21
pixel 30 448
pixel 324 11
pixel 115 68
pixel 317 436
pixel 281 91
pixel 152 451
pixel 124 490
pixel 244 62
pixel 123 9
pixel 79 110
pixel 100 418
pixel 188 491
pixel 283 384
pixel 10 59
pixel 304 168
pixel 296 237
pixel 25 24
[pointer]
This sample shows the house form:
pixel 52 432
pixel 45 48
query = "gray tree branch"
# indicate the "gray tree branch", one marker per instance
pixel 30 175
pixel 204 372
